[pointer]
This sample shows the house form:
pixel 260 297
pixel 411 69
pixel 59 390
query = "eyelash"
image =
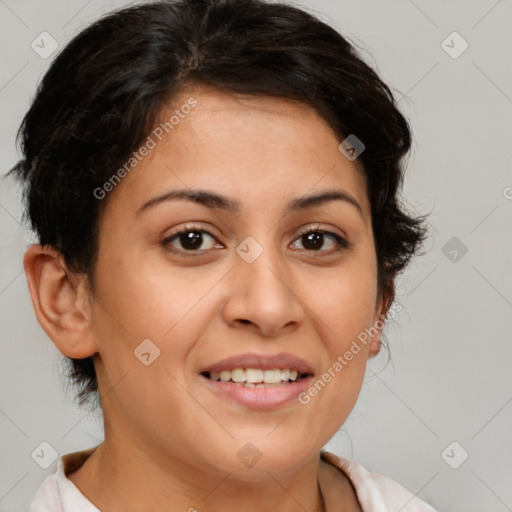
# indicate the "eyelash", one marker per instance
pixel 340 241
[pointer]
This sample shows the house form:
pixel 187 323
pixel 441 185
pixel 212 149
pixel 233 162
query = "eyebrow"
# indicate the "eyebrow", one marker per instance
pixel 216 201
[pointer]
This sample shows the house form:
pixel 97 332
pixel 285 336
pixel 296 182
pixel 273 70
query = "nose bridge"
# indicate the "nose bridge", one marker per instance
pixel 263 272
pixel 262 290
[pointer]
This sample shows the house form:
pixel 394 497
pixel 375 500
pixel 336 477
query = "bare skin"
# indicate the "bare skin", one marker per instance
pixel 170 441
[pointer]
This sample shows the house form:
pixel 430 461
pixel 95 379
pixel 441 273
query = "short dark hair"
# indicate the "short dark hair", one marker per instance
pixel 104 92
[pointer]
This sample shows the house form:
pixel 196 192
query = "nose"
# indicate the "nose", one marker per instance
pixel 262 296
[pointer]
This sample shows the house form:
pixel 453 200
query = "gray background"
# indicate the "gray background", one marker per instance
pixel 449 379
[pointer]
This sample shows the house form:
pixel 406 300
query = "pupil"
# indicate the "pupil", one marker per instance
pixel 314 240
pixel 192 240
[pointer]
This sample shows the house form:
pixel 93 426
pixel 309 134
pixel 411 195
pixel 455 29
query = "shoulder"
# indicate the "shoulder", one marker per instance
pixel 57 493
pixel 377 492
pixel 47 496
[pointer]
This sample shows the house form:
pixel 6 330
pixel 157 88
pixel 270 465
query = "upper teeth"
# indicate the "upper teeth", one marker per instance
pixel 254 375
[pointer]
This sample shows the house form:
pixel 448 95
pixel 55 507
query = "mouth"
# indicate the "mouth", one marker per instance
pixel 258 382
pixel 257 377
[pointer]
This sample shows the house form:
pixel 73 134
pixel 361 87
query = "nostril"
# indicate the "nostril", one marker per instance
pixel 243 321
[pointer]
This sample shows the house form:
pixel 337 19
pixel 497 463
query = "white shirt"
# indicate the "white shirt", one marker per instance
pixel 375 492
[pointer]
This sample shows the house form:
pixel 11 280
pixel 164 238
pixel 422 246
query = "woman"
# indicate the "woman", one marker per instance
pixel 214 186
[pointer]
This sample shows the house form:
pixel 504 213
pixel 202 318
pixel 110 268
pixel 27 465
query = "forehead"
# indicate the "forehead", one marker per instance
pixel 249 148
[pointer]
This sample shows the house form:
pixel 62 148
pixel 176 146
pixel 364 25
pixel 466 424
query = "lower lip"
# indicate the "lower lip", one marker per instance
pixel 259 398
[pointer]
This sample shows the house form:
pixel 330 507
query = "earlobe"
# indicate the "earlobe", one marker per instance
pixel 379 322
pixel 375 343
pixel 58 297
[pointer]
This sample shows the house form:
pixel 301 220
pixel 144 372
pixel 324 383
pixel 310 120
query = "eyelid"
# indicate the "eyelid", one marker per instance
pixel 168 238
pixel 190 227
pixel 317 227
pixel 342 239
pixel 328 230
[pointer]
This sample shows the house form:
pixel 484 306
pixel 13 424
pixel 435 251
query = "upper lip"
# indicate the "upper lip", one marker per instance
pixel 263 362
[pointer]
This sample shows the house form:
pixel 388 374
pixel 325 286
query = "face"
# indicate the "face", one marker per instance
pixel 214 247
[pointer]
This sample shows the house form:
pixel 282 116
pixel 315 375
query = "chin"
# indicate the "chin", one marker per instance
pixel 253 457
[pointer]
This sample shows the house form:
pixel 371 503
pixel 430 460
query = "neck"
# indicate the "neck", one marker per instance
pixel 121 476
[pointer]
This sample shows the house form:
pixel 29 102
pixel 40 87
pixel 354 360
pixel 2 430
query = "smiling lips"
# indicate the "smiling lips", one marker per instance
pixel 241 378
pixel 248 362
pixel 256 377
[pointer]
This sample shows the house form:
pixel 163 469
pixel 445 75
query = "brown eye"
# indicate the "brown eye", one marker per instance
pixel 313 241
pixel 191 240
pixel 321 241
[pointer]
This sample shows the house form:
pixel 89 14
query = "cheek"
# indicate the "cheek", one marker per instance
pixel 342 305
pixel 139 299
pixel 341 311
pixel 345 302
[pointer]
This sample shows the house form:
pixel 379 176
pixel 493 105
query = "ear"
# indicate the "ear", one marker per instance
pixel 61 301
pixel 379 320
